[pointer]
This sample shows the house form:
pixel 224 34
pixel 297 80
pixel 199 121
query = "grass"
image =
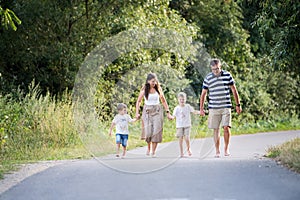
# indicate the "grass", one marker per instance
pixel 287 153
pixel 36 127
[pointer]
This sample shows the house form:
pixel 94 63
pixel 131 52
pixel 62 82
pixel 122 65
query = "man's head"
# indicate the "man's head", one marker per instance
pixel 215 65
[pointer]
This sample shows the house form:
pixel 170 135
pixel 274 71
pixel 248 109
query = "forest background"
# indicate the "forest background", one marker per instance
pixel 43 43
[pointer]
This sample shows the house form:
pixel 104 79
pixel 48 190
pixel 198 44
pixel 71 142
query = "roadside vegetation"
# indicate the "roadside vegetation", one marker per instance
pixel 39 127
pixel 287 154
pixel 47 42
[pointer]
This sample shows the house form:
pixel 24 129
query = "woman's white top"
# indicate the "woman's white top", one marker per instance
pixel 153 99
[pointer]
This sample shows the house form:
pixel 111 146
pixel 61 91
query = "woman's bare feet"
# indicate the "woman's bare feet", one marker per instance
pixel 217 154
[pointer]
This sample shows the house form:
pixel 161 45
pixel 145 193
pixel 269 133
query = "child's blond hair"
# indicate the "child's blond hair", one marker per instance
pixel 121 106
pixel 182 94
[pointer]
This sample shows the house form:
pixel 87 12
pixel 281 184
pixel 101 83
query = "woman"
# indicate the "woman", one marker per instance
pixel 152 117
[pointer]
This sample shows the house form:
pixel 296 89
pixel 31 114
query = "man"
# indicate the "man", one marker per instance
pixel 219 83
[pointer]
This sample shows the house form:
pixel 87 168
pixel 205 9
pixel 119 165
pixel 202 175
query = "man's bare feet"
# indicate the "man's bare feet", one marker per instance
pixel 227 153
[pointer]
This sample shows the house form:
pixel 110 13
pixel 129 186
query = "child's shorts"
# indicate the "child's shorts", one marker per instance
pixel 183 131
pixel 122 139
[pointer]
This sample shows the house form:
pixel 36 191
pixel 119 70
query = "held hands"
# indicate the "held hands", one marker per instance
pixel 137 116
pixel 202 113
pixel 238 109
pixel 170 117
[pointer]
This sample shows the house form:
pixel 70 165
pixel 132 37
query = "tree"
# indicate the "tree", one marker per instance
pixel 52 41
pixel 274 35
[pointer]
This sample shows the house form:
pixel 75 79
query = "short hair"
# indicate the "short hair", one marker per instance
pixel 121 106
pixel 181 94
pixel 215 61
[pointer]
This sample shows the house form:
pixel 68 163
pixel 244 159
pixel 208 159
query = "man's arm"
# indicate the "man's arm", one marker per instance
pixel 202 100
pixel 237 99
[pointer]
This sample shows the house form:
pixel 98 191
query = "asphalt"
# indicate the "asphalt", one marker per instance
pixel 245 174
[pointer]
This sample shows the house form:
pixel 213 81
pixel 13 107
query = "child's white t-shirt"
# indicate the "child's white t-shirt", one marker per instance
pixel 121 122
pixel 183 115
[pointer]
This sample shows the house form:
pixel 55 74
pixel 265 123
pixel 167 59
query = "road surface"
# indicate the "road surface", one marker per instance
pixel 246 174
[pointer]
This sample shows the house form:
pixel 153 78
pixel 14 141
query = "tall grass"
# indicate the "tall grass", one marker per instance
pixel 35 126
pixel 287 153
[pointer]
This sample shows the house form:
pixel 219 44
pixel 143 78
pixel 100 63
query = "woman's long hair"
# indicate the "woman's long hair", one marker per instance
pixel 147 85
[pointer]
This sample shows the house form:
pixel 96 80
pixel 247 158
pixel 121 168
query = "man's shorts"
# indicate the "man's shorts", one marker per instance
pixel 216 116
pixel 122 139
pixel 183 131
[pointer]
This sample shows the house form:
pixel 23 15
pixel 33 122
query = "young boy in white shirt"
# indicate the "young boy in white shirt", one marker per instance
pixel 182 113
pixel 121 121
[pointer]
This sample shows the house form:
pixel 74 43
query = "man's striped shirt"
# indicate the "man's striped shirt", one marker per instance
pixel 219 89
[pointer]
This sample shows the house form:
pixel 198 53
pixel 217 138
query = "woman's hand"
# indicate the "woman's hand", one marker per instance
pixel 137 115
pixel 170 117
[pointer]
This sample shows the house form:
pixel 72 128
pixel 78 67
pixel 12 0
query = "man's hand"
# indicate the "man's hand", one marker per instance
pixel 238 109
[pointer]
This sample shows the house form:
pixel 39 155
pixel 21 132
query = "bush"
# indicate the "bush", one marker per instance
pixel 34 124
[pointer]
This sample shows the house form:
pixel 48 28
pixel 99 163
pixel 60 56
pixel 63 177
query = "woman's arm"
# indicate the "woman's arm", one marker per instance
pixel 138 103
pixel 165 105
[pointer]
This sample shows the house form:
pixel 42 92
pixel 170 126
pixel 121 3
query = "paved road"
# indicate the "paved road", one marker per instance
pixel 246 174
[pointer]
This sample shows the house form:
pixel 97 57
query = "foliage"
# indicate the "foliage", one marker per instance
pixel 274 36
pixel 137 64
pixel 257 41
pixel 9 18
pixel 35 123
pixel 51 43
pixel 278 21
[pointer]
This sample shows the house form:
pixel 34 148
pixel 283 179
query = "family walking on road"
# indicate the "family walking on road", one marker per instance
pixel 217 84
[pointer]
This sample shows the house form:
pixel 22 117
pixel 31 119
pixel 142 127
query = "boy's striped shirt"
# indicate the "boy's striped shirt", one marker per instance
pixel 219 89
